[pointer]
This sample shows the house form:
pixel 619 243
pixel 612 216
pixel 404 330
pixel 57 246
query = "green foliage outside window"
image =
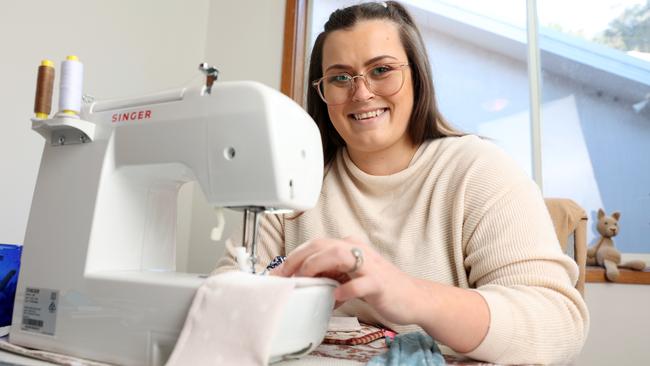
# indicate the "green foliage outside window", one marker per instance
pixel 630 31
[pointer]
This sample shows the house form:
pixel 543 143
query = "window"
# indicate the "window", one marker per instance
pixel 595 103
pixel 595 117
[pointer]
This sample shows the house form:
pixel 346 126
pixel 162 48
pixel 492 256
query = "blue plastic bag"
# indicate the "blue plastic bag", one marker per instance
pixel 9 267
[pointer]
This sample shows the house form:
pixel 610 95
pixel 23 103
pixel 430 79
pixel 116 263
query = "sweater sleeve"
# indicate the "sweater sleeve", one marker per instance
pixel 514 261
pixel 270 244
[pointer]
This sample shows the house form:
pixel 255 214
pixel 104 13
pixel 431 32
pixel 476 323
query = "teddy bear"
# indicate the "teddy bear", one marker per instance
pixel 604 253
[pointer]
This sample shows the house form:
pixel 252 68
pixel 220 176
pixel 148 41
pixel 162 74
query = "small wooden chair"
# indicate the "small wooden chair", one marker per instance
pixel 571 219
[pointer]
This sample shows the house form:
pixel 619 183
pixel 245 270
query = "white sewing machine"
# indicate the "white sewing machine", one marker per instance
pixel 97 278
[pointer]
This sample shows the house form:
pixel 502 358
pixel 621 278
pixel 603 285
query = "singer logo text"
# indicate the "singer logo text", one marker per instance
pixel 131 116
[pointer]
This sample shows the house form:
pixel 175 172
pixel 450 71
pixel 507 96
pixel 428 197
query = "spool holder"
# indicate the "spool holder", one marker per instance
pixel 64 130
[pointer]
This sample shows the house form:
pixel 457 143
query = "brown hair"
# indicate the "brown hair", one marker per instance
pixel 426 120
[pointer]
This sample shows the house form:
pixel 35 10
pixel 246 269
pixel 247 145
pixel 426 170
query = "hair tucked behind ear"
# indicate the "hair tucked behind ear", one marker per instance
pixel 426 120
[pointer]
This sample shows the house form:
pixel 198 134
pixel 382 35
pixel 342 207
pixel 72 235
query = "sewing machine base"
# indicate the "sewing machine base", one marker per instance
pixel 134 334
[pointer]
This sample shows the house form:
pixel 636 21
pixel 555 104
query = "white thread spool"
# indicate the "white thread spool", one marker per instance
pixel 71 85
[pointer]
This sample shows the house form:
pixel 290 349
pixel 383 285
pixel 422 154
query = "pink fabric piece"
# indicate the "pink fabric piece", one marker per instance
pixel 232 320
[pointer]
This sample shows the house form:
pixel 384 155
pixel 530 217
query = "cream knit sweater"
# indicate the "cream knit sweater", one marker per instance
pixel 463 214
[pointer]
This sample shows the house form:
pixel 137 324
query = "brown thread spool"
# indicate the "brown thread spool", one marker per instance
pixel 44 88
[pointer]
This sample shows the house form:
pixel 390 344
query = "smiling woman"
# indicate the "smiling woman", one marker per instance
pixel 426 229
pixel 371 110
pixel 381 41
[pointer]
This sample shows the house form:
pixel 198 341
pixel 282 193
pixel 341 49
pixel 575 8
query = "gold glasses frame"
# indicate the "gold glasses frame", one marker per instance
pixel 318 83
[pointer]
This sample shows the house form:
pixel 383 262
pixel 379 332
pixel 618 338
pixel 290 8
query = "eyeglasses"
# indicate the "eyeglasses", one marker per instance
pixel 383 80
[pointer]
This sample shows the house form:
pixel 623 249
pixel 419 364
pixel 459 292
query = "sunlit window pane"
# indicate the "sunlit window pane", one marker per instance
pixel 596 126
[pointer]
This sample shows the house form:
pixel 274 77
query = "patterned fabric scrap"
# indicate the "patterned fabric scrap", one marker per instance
pixel 365 335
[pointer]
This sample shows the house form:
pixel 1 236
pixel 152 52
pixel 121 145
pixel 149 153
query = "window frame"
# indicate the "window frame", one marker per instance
pixel 292 81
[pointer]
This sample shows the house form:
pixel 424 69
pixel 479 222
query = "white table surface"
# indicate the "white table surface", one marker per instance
pixel 16 360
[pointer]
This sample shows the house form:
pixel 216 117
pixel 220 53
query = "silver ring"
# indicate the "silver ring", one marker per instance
pixel 358 259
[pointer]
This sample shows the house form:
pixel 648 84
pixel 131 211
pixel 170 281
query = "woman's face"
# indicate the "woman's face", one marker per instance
pixel 369 122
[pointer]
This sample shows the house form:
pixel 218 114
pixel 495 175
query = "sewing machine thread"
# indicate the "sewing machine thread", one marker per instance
pixel 70 86
pixel 44 87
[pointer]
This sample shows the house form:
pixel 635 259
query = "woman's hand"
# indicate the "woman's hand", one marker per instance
pixel 376 281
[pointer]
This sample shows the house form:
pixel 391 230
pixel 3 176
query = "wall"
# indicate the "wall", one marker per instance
pixel 619 325
pixel 127 49
pixel 244 41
